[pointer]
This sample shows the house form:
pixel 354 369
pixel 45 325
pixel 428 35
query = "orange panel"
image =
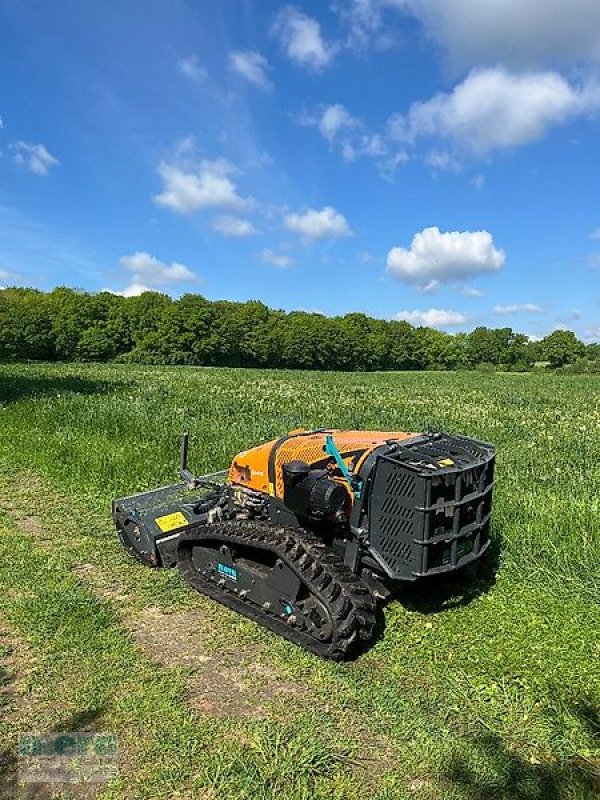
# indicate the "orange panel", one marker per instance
pixel 251 468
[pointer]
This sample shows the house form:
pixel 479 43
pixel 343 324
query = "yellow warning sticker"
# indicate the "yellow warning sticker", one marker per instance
pixel 446 462
pixel 171 521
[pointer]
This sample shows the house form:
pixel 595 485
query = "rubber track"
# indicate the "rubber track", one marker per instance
pixel 349 601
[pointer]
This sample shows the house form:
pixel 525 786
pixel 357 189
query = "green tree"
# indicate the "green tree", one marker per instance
pixel 561 347
pixel 25 325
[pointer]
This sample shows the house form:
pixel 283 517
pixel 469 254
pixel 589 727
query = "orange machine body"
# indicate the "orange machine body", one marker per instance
pixel 261 468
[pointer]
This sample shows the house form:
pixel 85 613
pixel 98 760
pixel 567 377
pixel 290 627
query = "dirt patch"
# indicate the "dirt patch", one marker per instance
pixel 107 589
pixel 227 683
pixel 27 522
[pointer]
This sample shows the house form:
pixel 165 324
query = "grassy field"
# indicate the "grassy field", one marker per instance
pixel 485 689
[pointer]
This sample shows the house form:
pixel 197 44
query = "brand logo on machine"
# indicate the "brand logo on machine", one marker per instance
pixel 227 571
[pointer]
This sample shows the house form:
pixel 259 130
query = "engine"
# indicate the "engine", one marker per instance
pixel 419 504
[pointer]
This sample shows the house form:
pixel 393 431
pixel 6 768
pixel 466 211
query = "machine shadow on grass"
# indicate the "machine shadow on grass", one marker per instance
pixel 89 720
pixel 432 595
pixel 14 388
pixel 484 768
pixel 435 595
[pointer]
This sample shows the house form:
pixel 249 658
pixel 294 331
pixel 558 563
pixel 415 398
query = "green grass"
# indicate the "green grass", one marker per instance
pixel 489 690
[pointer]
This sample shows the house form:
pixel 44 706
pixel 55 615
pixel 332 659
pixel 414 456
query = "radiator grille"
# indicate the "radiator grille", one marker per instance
pixel 422 519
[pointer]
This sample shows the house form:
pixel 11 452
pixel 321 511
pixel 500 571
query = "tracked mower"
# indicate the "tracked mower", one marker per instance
pixel 304 534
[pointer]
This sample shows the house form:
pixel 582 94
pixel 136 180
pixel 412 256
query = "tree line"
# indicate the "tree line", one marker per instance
pixel 72 325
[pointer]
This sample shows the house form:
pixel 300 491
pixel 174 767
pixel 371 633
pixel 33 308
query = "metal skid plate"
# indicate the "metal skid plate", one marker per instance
pixel 149 524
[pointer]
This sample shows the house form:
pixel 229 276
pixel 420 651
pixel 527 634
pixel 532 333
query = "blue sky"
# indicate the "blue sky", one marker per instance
pixel 433 160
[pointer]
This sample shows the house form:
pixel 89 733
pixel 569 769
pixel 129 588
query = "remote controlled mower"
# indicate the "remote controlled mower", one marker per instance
pixel 305 533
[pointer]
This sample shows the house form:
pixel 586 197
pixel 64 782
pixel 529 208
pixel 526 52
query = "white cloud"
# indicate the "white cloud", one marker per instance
pixel 133 290
pixel 191 68
pixel 149 271
pixel 234 227
pixel 493 109
pixel 478 181
pixel 192 187
pixel 364 22
pixel 276 259
pixel 595 234
pixel 1 123
pixel 300 37
pixel 334 119
pixel 251 66
pixel 443 257
pixel 35 157
pixel 433 318
pixel 518 308
pixel 520 34
pixel 442 160
pixel 316 224
pixel 471 291
pixel 345 132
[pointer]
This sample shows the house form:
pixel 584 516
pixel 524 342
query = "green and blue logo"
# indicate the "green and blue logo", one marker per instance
pixel 227 571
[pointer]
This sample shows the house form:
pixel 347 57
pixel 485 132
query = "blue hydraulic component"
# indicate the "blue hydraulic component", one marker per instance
pixel 331 449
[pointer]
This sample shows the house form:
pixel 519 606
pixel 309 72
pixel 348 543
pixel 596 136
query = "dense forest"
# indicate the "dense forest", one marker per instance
pixel 71 325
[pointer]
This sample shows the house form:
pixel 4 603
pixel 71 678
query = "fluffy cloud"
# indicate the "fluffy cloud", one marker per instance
pixel 595 234
pixel 436 257
pixel 276 259
pixel 520 34
pixel 149 271
pixel 191 68
pixel 300 37
pixel 364 22
pixel 493 109
pixel 333 120
pixel 149 274
pixel 433 318
pixel 234 227
pixel 313 224
pixel 251 66
pixel 205 185
pixel 133 290
pixel 517 308
pixel 35 157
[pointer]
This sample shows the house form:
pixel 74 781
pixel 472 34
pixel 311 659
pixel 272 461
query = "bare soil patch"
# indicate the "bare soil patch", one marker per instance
pixel 227 683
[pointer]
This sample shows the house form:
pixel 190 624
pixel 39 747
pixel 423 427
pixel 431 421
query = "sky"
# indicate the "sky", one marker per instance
pixel 429 160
